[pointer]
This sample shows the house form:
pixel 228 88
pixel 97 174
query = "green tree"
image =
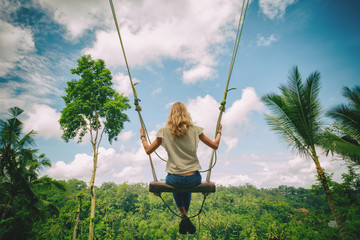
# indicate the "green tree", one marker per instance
pixel 92 106
pixel 296 117
pixel 346 197
pixel 20 205
pixel 344 138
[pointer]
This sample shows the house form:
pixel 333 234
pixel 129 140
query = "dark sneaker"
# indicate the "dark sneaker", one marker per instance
pixel 188 225
pixel 182 227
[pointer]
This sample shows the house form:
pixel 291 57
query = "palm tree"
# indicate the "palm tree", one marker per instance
pixel 19 170
pixel 14 153
pixel 296 118
pixel 344 138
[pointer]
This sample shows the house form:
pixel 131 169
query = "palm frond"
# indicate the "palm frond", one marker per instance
pixel 286 134
pixel 296 111
pixel 27 140
pixel 15 112
pixel 335 144
pixel 303 104
pixel 347 125
pixel 348 117
pixel 353 96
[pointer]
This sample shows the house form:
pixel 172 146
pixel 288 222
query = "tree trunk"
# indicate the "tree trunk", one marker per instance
pixel 92 194
pixel 7 207
pixel 329 197
pixel 77 219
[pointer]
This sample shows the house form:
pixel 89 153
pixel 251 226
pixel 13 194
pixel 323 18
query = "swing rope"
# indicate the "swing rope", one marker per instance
pixel 136 99
pixel 222 107
pixel 232 62
pixel 178 215
pixel 223 102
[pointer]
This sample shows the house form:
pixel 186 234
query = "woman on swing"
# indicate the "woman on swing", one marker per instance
pixel 180 139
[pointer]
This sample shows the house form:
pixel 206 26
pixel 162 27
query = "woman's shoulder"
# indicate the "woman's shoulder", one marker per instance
pixel 198 130
pixel 162 131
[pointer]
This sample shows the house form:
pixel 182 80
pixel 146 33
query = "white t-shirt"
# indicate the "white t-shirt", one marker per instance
pixel 182 157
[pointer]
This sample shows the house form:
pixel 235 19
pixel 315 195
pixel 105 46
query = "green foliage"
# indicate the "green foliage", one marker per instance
pixel 22 198
pixel 296 112
pixel 130 212
pixel 297 119
pixel 92 106
pixel 345 134
pixel 91 103
pixel 346 196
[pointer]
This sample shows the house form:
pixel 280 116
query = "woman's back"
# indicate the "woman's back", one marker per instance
pixel 182 157
pixel 180 139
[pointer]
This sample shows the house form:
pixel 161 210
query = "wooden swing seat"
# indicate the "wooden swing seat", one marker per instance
pixel 159 187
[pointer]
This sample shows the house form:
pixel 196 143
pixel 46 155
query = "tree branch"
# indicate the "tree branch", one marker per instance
pixel 97 125
pixel 101 137
pixel 90 130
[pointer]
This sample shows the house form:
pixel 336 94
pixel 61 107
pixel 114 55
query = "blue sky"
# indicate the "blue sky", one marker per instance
pixel 178 51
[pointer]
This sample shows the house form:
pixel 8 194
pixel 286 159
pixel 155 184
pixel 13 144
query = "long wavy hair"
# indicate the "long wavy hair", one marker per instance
pixel 179 120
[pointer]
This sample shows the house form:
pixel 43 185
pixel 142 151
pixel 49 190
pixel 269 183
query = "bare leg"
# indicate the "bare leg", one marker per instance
pixel 182 211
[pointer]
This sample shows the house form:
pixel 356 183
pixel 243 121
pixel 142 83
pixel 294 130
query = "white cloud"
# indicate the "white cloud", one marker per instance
pixel 78 16
pixel 233 180
pixel 15 44
pixel 273 170
pixel 133 166
pixel 19 60
pixel 44 120
pixel 296 171
pixel 108 159
pixel 236 119
pixel 152 32
pixel 197 73
pixel 126 136
pixel 130 174
pixel 79 168
pixel 204 112
pixel 170 30
pixel 38 86
pixel 122 84
pixel 10 98
pixel 266 42
pixel 231 142
pixel 242 158
pixel 274 8
pixel 110 164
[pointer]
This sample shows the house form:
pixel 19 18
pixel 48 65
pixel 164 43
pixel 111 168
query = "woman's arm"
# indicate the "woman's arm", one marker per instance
pixel 213 144
pixel 154 145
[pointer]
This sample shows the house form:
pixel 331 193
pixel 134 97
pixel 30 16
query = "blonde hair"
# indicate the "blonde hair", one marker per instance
pixel 179 120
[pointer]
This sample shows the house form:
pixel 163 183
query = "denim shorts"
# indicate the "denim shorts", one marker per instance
pixel 180 181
